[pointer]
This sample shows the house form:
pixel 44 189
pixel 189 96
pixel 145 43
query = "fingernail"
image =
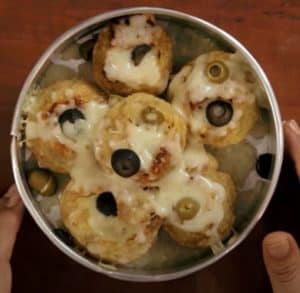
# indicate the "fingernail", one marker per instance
pixel 278 248
pixel 294 126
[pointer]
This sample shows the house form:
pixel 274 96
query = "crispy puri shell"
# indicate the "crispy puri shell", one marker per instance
pixel 161 41
pixel 243 78
pixel 127 247
pixel 51 153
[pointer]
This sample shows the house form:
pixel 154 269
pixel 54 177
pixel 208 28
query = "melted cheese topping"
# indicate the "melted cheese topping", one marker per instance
pixel 180 183
pixel 209 195
pixel 85 171
pixel 72 130
pixel 145 142
pixel 191 87
pixel 195 156
pixel 148 140
pixel 111 228
pixel 45 130
pixel 108 228
pixel 197 87
pixel 120 67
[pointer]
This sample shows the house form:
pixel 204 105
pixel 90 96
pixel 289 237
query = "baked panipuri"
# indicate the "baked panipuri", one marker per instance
pixel 216 93
pixel 141 136
pixel 133 54
pixel 113 223
pixel 203 214
pixel 59 121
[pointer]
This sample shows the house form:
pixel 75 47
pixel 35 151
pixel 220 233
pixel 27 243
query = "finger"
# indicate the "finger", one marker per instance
pixel 10 198
pixel 292 138
pixel 282 260
pixel 11 213
pixel 5 277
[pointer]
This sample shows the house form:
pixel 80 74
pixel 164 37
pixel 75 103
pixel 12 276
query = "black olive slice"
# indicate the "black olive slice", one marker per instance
pixel 106 204
pixel 139 52
pixel 264 165
pixel 64 236
pixel 71 116
pixel 125 162
pixel 219 113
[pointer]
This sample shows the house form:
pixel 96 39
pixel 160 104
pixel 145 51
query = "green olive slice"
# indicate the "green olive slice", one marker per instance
pixel 219 113
pixel 187 208
pixel 217 71
pixel 42 181
pixel 152 116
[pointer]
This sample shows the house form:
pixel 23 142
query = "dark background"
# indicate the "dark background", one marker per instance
pixel 270 29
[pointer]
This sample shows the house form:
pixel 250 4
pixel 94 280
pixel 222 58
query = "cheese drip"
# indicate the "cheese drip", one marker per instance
pixel 119 66
pixel 147 141
pixel 193 83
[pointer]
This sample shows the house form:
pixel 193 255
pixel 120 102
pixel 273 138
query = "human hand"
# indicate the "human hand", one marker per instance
pixel 280 250
pixel 11 213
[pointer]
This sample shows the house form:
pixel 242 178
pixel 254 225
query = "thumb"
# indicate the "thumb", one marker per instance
pixel 292 138
pixel 11 212
pixel 282 260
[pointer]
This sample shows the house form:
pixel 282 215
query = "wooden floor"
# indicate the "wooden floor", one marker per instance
pixel 270 29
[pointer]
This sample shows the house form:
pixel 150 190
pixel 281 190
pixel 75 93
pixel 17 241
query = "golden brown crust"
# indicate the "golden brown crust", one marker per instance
pixel 52 155
pixel 161 41
pixel 202 238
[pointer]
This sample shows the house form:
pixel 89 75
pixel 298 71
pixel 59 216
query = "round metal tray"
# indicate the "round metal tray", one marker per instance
pixel 193 36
